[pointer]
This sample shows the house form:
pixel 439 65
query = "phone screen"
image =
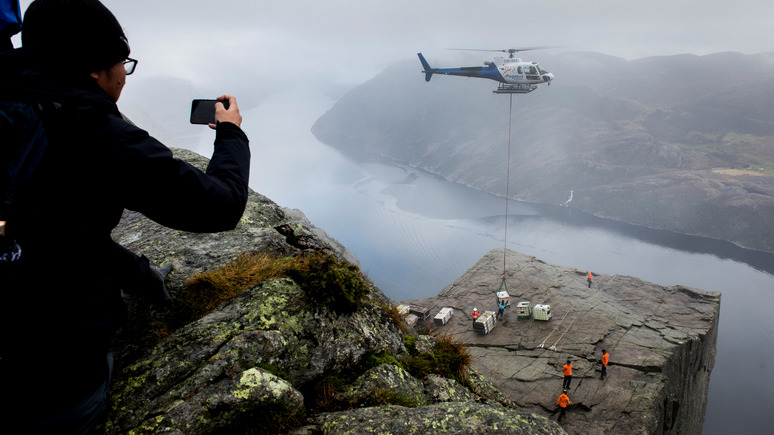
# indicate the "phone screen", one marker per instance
pixel 203 111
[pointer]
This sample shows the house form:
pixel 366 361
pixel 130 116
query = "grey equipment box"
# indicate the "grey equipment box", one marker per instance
pixel 422 313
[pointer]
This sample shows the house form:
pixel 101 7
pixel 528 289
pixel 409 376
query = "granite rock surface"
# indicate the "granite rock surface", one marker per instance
pixel 661 342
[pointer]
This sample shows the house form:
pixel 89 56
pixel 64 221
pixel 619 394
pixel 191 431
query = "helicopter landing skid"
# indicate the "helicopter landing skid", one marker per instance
pixel 514 89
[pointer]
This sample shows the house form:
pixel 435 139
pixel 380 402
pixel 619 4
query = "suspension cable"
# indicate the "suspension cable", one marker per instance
pixel 507 181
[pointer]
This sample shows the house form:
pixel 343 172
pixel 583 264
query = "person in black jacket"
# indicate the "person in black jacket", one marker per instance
pixel 60 302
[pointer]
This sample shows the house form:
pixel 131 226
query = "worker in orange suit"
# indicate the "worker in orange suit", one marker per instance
pixel 605 357
pixel 475 314
pixel 567 369
pixel 589 279
pixel 562 401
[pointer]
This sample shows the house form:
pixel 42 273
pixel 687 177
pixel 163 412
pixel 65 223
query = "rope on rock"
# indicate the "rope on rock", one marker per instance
pixel 543 343
pixel 594 299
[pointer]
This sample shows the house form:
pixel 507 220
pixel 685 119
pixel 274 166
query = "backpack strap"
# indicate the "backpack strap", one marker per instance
pixel 24 143
pixel 10 22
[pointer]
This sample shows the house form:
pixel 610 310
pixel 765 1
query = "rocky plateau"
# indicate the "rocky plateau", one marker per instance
pixel 260 362
pixel 661 342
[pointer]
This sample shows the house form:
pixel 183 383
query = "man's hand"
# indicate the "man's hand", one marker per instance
pixel 227 115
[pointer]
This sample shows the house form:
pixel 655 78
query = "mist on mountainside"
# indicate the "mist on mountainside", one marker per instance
pixel 684 143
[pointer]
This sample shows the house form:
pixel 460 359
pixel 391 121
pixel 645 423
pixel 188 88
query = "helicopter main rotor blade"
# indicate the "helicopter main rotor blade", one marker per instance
pixel 509 50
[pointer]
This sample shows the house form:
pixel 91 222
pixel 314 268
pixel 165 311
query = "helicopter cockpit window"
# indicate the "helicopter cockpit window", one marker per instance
pixel 530 69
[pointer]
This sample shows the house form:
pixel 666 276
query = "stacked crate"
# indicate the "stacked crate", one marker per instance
pixel 421 313
pixel 485 322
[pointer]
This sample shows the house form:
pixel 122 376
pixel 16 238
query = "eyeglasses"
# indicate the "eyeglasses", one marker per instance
pixel 129 65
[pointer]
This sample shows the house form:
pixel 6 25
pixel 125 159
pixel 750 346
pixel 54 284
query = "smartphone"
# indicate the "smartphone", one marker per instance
pixel 203 111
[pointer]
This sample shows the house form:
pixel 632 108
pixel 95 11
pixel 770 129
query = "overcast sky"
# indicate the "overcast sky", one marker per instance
pixel 287 61
pixel 349 41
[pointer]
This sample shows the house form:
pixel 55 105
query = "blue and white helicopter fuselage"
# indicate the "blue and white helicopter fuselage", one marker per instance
pixel 513 74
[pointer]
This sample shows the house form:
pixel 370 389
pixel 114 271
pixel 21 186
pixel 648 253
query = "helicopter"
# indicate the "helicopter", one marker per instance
pixel 516 76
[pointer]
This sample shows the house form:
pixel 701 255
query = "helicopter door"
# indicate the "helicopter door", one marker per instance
pixel 532 73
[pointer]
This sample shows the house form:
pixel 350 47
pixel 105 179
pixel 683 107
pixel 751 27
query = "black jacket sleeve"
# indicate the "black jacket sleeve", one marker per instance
pixel 175 193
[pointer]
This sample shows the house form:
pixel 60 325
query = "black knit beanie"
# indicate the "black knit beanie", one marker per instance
pixel 81 36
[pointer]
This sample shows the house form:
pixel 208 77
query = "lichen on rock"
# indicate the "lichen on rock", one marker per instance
pixel 255 363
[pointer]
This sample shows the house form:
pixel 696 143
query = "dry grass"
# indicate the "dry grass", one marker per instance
pixel 397 318
pixel 338 285
pixel 207 291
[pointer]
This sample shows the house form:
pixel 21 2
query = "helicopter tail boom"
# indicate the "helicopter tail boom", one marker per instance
pixel 428 71
pixel 487 72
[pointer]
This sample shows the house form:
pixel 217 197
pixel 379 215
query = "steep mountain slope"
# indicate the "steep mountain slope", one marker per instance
pixel 684 143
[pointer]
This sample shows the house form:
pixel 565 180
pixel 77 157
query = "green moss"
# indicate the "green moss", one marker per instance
pixel 374 360
pixel 448 358
pixel 148 426
pixel 336 284
pixel 411 343
pixel 275 370
pixel 384 397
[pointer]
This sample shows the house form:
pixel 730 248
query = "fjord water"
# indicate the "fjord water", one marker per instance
pixel 415 233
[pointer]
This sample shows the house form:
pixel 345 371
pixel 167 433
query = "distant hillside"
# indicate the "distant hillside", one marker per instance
pixel 684 143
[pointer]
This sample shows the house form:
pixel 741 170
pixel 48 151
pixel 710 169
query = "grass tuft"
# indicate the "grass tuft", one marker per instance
pixel 206 291
pixel 327 281
pixel 448 358
pixel 336 284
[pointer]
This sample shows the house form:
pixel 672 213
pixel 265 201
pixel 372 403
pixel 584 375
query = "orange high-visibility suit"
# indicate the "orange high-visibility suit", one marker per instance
pixel 567 369
pixel 562 401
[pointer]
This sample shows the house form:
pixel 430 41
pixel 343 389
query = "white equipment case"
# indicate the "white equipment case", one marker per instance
pixel 541 312
pixel 443 316
pixel 523 310
pixel 504 296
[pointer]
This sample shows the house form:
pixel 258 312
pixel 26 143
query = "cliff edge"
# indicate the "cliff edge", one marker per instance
pixel 285 355
pixel 661 342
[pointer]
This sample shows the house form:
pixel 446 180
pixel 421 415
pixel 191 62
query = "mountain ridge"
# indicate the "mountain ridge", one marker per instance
pixel 683 143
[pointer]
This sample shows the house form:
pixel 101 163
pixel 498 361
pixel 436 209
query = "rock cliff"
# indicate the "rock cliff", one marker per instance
pixel 273 359
pixel 661 342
